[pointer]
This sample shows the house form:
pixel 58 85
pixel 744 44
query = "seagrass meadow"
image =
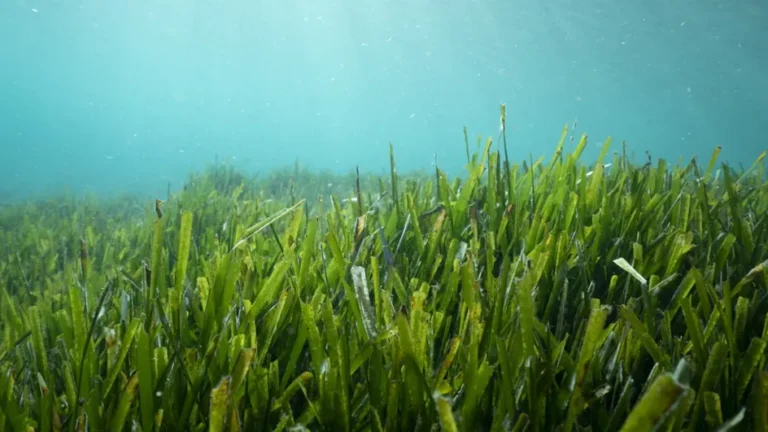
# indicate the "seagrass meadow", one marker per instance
pixel 550 295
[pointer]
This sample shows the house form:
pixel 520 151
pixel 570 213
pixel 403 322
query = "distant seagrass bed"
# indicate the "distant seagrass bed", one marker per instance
pixel 544 295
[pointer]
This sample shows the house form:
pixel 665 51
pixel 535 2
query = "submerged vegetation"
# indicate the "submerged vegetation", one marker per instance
pixel 546 296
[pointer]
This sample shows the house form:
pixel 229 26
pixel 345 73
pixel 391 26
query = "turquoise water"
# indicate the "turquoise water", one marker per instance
pixel 108 96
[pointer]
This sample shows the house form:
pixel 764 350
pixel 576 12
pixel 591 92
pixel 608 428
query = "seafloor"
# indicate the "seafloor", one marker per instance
pixel 550 295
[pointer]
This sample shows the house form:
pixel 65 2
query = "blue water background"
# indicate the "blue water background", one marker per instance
pixel 109 96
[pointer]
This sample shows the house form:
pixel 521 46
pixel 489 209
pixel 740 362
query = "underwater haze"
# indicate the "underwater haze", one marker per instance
pixel 105 96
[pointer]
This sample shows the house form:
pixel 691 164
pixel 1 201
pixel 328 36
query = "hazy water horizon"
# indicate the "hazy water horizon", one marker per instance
pixel 108 97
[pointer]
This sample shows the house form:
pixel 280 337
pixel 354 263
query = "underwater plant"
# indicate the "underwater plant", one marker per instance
pixel 550 295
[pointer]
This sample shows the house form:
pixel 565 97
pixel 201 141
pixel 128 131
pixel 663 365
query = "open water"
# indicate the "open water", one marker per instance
pixel 107 96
